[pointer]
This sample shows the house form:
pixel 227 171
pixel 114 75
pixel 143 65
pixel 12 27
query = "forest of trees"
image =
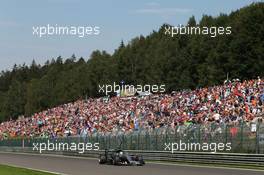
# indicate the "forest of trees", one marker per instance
pixel 181 62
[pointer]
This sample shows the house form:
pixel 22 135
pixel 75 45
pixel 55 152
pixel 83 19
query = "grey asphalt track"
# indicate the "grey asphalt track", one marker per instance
pixel 81 166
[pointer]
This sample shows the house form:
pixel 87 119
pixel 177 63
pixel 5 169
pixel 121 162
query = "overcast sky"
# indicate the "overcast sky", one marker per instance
pixel 118 20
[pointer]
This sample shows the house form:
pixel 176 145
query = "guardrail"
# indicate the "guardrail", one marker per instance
pixel 249 160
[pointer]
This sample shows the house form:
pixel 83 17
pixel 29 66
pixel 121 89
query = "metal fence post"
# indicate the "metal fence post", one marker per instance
pixel 138 140
pixel 156 139
pixel 146 141
pixel 199 133
pixel 241 139
pixel 226 126
pixel 257 139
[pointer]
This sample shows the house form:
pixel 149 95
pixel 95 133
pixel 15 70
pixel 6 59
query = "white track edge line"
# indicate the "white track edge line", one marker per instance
pixel 33 169
pixel 151 162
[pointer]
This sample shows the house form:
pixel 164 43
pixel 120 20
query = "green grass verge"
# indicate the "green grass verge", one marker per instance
pixel 9 170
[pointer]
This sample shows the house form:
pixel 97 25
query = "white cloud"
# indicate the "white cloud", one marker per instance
pixel 152 4
pixel 163 11
pixel 155 8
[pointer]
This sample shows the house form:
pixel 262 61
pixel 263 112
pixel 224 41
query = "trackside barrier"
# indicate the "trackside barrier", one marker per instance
pixel 253 160
pixel 244 138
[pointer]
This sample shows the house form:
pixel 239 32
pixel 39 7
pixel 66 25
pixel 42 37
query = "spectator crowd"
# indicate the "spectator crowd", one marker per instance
pixel 232 103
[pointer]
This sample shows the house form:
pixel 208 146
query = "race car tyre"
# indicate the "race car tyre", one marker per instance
pixel 116 161
pixel 102 160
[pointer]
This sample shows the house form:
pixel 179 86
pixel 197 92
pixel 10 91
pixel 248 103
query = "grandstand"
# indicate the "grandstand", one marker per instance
pixel 233 103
